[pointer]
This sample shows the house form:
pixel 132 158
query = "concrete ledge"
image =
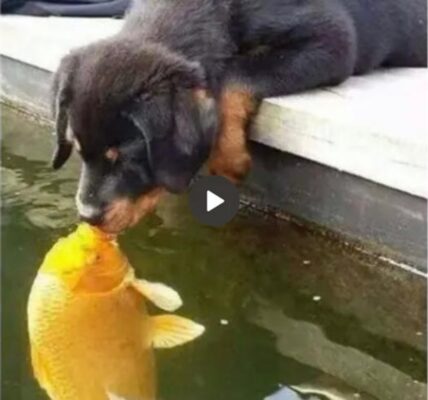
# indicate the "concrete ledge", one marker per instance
pixel 42 41
pixel 374 127
pixel 382 220
pixel 351 158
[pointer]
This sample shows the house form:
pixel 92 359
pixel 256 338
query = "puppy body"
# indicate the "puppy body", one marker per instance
pixel 182 79
pixel 237 40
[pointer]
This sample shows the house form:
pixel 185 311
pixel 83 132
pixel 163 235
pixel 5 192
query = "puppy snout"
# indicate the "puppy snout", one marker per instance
pixel 89 213
pixel 94 218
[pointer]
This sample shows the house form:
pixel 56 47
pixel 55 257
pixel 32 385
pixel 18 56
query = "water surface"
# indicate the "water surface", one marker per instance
pixel 289 314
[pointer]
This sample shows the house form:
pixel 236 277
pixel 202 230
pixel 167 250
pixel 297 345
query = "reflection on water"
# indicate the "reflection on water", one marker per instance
pixel 289 315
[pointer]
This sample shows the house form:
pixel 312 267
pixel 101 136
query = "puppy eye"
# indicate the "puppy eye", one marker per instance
pixel 112 154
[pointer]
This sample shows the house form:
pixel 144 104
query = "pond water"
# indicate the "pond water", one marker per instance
pixel 289 313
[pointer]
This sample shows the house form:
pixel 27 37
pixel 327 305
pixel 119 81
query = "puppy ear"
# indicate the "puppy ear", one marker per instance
pixel 194 130
pixel 61 99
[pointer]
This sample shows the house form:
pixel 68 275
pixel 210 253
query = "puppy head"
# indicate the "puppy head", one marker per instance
pixel 141 120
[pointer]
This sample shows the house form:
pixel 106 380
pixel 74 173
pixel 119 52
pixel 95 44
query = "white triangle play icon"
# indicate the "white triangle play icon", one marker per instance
pixel 213 201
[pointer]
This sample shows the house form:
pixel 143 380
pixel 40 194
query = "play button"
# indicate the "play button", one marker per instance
pixel 214 200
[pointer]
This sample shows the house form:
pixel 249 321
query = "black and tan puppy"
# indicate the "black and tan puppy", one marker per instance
pixel 177 86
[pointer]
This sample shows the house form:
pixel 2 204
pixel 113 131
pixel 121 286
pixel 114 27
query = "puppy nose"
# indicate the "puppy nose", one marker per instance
pixel 94 218
pixel 89 213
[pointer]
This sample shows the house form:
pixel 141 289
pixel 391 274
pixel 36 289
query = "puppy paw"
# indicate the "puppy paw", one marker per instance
pixel 232 165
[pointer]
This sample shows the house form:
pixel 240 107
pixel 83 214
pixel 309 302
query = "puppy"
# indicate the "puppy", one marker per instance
pixel 179 84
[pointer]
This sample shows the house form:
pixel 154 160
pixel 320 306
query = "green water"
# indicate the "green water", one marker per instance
pixel 288 313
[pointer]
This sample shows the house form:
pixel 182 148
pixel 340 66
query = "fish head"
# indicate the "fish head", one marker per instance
pixel 88 260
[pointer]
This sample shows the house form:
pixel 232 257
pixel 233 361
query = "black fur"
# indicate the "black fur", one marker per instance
pixel 134 91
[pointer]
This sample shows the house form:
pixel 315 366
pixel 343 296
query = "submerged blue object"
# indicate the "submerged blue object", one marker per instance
pixel 284 393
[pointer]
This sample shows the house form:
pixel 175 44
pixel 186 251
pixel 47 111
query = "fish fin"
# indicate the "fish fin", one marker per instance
pixel 171 330
pixel 161 295
pixel 112 396
pixel 40 370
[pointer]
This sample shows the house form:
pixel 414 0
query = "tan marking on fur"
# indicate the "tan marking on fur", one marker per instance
pixel 147 204
pixel 112 154
pixel 230 157
pixel 76 145
pixel 124 213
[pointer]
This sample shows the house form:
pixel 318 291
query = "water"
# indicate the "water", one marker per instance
pixel 287 311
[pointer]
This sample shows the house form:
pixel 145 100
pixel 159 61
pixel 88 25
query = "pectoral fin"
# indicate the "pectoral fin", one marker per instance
pixel 161 295
pixel 40 369
pixel 172 330
pixel 112 396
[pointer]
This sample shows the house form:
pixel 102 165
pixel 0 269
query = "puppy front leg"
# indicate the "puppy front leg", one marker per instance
pixel 325 55
pixel 230 157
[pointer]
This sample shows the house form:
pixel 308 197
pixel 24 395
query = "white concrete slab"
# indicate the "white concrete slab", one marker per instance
pixel 42 41
pixel 375 127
